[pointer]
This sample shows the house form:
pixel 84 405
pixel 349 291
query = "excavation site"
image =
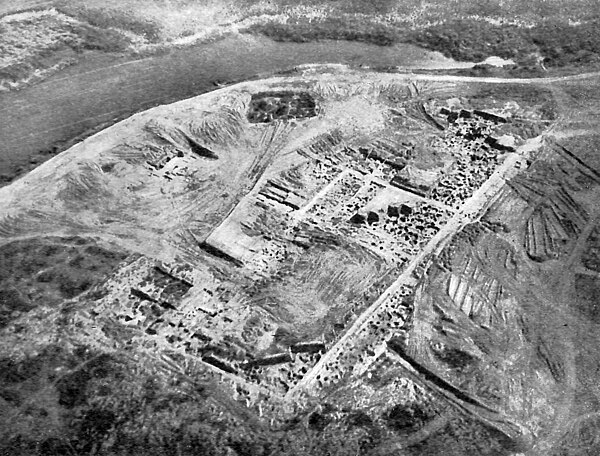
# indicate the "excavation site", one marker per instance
pixel 332 261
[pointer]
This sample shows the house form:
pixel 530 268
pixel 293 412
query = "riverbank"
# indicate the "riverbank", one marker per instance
pixel 100 89
pixel 68 92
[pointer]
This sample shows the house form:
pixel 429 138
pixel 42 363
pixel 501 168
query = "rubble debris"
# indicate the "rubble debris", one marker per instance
pixel 272 360
pixel 476 294
pixel 308 347
pixel 498 145
pixel 379 151
pixel 464 114
pixel 430 377
pixel 405 210
pixel 323 146
pixel 266 107
pixel 429 118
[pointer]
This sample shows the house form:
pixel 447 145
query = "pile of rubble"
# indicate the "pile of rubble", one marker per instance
pixel 266 107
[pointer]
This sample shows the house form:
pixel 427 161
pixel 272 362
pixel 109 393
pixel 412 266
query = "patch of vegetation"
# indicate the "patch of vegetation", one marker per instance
pixel 331 28
pixel 108 20
pixel 11 396
pixel 46 41
pixel 53 446
pixel 472 41
pixel 463 436
pixel 454 358
pixel 554 43
pixel 549 41
pixel 591 255
pixel 588 296
pixel 508 71
pixel 12 372
pixel 106 404
pixel 563 44
pixel 94 427
pixel 47 271
pixel 94 38
pixel 72 389
pixel 142 413
pixel 402 418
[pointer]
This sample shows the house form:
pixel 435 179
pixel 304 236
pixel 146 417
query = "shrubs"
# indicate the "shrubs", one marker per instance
pixel 471 40
pixel 11 299
pixel 50 270
pixel 563 44
pixel 72 389
pixel 404 418
pixel 35 47
pixel 93 38
pixel 558 43
pixel 351 29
